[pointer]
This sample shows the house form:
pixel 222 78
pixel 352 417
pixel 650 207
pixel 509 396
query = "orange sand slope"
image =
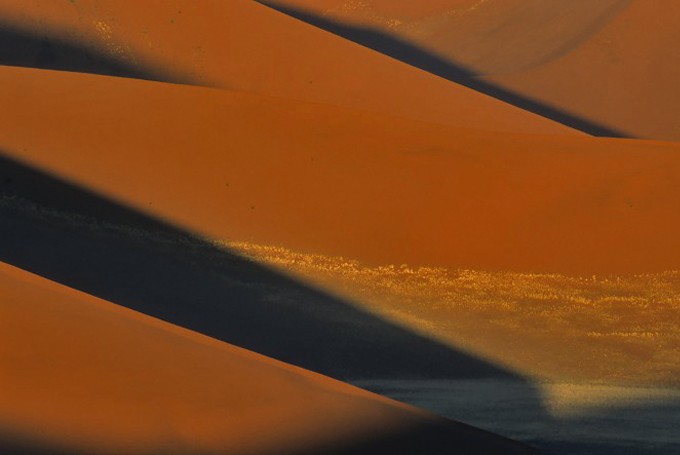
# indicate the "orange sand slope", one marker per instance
pixel 324 180
pixel 82 375
pixel 486 37
pixel 241 45
pixel 610 62
pixel 625 76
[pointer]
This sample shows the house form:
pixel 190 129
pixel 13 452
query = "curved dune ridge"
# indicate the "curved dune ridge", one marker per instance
pixel 243 45
pixel 81 375
pixel 324 180
pixel 610 62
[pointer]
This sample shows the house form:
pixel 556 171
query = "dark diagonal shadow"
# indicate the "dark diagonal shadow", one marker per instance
pixel 43 51
pixel 439 437
pixel 72 236
pixel 420 58
pixel 75 237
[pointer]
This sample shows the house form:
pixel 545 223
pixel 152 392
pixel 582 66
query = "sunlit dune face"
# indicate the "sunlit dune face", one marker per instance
pixel 483 36
pixel 533 51
pixel 348 183
pixel 243 45
pixel 608 329
pixel 631 82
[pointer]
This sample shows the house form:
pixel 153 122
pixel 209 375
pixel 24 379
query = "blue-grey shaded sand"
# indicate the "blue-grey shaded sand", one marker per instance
pixel 641 422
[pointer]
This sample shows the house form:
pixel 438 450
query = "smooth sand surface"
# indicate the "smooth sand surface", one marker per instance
pixel 484 37
pixel 317 179
pixel 242 45
pixel 82 375
pixel 610 63
pixel 625 76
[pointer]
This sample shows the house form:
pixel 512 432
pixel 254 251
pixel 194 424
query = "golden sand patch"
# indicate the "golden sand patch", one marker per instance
pixel 613 329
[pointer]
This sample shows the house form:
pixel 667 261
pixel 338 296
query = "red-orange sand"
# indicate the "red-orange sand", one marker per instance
pixel 81 375
pixel 544 250
pixel 242 45
pixel 612 62
pixel 318 179
pixel 485 37
pixel 624 76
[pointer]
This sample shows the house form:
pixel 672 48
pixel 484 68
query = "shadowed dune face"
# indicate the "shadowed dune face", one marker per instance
pixel 81 375
pixel 77 238
pixel 238 44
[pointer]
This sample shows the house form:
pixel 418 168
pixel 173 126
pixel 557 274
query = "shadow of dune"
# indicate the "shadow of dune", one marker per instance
pixel 13 446
pixel 30 49
pixel 625 425
pixel 438 437
pixel 420 58
pixel 83 240
pixel 77 238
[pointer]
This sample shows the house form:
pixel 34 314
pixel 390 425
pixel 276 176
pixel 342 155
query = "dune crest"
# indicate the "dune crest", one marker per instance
pixel 607 67
pixel 486 37
pixel 243 45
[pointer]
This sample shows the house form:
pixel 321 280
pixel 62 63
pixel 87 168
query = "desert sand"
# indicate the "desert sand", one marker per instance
pixel 613 64
pixel 317 179
pixel 484 37
pixel 246 46
pixel 82 375
pixel 551 327
pixel 210 209
pixel 625 76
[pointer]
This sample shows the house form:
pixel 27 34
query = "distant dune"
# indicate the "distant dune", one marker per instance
pixel 81 375
pixel 625 76
pixel 318 179
pixel 484 37
pixel 241 45
pixel 612 64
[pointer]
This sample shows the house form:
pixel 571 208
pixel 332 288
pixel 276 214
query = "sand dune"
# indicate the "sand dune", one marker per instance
pixel 242 45
pixel 625 76
pixel 331 181
pixel 606 66
pixel 485 37
pixel 81 375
